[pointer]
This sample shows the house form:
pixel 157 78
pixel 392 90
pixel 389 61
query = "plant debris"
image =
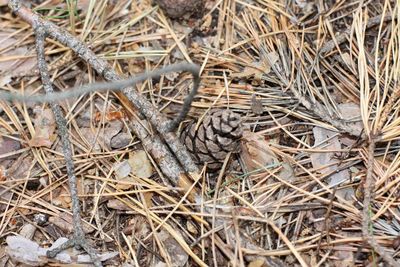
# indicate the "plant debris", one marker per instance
pixel 310 179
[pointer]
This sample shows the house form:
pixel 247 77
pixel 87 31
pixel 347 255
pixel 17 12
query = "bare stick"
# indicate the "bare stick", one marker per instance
pixel 366 217
pixel 79 236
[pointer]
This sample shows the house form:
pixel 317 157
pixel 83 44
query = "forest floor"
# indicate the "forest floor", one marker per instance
pixel 314 181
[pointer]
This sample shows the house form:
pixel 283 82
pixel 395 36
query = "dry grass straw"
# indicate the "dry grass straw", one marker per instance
pixel 299 68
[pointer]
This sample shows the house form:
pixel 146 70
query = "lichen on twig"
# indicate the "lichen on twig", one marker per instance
pixel 78 238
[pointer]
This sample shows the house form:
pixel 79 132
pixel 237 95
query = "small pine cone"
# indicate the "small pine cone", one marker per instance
pixel 216 136
pixel 176 9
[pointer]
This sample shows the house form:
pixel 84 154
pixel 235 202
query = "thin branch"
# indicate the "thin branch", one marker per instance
pixel 366 217
pixel 79 236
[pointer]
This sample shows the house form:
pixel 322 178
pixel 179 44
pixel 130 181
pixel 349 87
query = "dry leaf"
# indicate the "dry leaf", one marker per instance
pixel 109 116
pixel 104 137
pixel 61 198
pixel 348 60
pixel 259 68
pixel 45 127
pixel 148 199
pixel 320 160
pixel 351 111
pixel 117 204
pixel 138 227
pixel 120 140
pixel 140 163
pixel 256 152
pixel 122 171
pixel 249 71
pixel 191 228
pixel 8 145
pixel 271 58
pixel 287 172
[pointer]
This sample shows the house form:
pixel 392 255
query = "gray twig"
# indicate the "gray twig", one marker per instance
pixel 79 236
pixel 367 232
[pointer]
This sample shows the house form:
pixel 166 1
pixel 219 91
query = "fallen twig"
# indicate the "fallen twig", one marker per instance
pixel 78 239
pixel 366 216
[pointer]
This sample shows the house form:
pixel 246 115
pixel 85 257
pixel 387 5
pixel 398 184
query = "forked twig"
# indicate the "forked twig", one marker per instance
pixel 153 144
pixel 78 239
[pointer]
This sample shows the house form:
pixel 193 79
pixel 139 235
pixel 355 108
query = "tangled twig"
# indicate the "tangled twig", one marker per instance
pixel 153 144
pixel 158 120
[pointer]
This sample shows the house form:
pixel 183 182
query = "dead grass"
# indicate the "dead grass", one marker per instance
pixel 326 78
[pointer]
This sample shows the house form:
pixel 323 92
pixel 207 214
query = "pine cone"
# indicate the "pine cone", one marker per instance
pixel 176 9
pixel 217 135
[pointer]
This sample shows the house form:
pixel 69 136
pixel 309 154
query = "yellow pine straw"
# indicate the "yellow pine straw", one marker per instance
pixel 348 72
pixel 273 226
pixel 131 250
pixel 138 207
pixel 284 252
